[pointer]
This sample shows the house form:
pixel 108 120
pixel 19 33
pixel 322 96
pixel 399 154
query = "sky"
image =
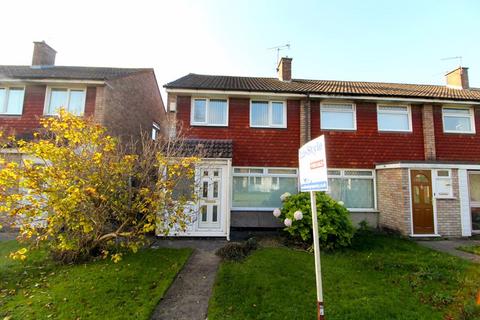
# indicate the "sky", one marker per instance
pixel 388 41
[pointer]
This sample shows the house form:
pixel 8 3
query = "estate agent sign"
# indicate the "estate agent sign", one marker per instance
pixel 312 161
pixel 313 166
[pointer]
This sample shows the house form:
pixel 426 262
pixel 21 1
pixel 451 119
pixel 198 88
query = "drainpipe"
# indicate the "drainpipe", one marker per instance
pixel 305 120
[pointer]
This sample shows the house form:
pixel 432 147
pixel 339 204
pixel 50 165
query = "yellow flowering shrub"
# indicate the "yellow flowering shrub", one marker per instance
pixel 77 193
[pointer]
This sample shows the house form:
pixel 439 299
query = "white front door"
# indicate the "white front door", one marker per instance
pixel 210 198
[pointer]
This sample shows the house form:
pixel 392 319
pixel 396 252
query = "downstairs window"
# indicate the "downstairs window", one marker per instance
pixel 261 188
pixel 354 187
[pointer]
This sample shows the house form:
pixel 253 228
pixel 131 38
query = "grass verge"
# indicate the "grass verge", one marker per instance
pixel 475 249
pixel 40 289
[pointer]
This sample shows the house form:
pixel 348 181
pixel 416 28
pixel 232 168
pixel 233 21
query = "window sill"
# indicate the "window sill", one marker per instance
pixel 396 131
pixel 459 133
pixel 10 115
pixel 339 130
pixel 255 127
pixel 209 125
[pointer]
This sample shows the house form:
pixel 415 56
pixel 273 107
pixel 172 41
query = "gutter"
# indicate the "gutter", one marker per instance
pixel 321 96
pixel 9 80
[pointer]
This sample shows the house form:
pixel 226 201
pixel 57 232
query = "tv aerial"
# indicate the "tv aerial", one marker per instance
pixel 280 48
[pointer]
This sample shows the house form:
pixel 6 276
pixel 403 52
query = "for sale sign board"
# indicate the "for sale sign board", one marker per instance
pixel 313 166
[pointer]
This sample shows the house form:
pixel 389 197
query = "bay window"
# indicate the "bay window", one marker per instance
pixel 458 120
pixel 394 118
pixel 356 188
pixel 70 99
pixel 261 188
pixel 268 114
pixel 337 116
pixel 209 112
pixel 11 100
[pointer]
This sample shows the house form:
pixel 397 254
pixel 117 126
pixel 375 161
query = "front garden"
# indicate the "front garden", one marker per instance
pixel 379 277
pixel 39 288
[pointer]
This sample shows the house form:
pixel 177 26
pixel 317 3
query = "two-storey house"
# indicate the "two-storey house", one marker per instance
pixel 400 156
pixel 126 101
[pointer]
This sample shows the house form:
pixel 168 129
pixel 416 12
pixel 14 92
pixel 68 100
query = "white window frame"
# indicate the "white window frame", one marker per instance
pixel 448 178
pixel 472 119
pixel 155 130
pixel 354 111
pixel 207 103
pixel 399 112
pixel 265 173
pixel 69 89
pixel 270 124
pixel 372 177
pixel 5 102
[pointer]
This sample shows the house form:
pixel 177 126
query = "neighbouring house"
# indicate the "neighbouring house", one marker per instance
pixel 127 101
pixel 403 157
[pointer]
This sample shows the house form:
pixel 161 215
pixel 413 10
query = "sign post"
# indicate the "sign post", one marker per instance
pixel 313 177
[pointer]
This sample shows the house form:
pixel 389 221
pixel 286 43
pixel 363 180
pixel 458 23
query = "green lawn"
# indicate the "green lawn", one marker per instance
pixel 475 249
pixel 380 277
pixel 40 289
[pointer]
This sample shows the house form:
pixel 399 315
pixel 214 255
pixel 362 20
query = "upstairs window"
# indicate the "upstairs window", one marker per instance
pixel 11 101
pixel 209 112
pixel 458 120
pixel 268 114
pixel 72 100
pixel 394 118
pixel 337 116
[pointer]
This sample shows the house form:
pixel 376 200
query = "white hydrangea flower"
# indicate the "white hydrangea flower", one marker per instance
pixel 341 203
pixel 298 215
pixel 288 222
pixel 285 196
pixel 276 212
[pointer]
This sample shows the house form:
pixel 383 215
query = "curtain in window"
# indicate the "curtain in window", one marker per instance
pixel 259 113
pixel 77 102
pixel 58 99
pixel 277 113
pixel 217 112
pixel 15 100
pixel 200 110
pixel 355 193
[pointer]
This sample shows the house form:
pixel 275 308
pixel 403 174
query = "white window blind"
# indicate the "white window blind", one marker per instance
pixel 338 116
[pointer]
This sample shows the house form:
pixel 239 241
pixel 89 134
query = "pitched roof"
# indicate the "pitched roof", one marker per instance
pixel 328 87
pixel 207 148
pixel 65 72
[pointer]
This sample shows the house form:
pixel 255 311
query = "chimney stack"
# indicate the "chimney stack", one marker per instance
pixel 284 69
pixel 457 78
pixel 43 54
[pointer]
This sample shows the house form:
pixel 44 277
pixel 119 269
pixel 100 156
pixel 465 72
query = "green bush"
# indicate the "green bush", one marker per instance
pixel 334 225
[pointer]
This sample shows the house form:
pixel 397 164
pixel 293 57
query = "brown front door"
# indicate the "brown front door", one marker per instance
pixel 422 208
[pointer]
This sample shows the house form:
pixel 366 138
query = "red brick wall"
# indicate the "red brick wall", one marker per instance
pixel 251 146
pixel 366 146
pixel 33 106
pixel 453 146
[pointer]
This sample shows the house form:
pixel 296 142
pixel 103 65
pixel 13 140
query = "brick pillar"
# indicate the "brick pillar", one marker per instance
pixel 428 132
pixel 305 122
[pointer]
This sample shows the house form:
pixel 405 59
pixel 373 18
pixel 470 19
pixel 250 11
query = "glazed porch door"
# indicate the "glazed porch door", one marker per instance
pixel 422 207
pixel 210 199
